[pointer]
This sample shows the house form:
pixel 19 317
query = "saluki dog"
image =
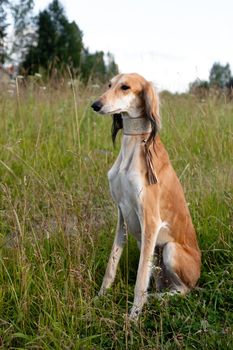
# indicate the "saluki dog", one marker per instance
pixel 150 199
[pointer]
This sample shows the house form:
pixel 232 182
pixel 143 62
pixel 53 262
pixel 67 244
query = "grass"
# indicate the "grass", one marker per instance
pixel 57 223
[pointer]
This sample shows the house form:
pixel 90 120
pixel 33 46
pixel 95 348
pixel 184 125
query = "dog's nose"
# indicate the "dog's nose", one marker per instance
pixel 97 105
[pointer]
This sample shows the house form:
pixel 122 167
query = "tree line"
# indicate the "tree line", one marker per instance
pixel 220 78
pixel 48 43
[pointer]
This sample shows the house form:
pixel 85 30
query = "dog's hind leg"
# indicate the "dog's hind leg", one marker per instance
pixel 115 255
pixel 180 268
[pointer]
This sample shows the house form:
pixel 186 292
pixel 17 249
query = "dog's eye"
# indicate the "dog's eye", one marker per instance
pixel 109 85
pixel 125 87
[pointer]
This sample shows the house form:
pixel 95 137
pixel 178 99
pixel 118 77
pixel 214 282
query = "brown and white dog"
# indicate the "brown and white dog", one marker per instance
pixel 148 194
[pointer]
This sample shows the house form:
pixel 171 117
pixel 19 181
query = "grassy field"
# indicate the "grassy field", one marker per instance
pixel 57 223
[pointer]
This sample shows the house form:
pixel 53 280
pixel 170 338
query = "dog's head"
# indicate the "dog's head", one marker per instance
pixel 131 95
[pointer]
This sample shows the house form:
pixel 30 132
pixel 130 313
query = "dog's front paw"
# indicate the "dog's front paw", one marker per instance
pixel 102 291
pixel 137 306
pixel 134 313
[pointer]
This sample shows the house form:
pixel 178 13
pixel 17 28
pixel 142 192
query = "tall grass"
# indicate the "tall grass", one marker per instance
pixel 57 223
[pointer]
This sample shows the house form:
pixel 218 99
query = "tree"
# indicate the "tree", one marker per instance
pixel 220 75
pixel 93 65
pixel 230 87
pixel 40 53
pixel 112 67
pixel 68 38
pixel 59 42
pixel 3 33
pixel 230 84
pixel 199 87
pixel 24 28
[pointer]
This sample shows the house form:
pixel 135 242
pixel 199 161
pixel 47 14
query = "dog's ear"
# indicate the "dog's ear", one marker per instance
pixel 151 105
pixel 117 124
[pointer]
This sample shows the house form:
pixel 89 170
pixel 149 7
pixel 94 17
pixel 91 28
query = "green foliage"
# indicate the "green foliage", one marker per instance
pixel 49 43
pixel 93 65
pixel 220 75
pixel 59 44
pixel 220 80
pixel 199 87
pixel 230 83
pixel 57 223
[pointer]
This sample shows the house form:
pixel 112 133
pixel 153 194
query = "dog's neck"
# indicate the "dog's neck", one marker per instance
pixel 135 126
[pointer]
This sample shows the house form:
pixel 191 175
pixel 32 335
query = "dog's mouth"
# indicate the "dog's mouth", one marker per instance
pixel 116 111
pixel 98 107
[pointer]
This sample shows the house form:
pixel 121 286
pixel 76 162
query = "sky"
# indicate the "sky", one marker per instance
pixel 169 42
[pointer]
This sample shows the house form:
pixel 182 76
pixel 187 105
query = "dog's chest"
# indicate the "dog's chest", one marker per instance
pixel 126 186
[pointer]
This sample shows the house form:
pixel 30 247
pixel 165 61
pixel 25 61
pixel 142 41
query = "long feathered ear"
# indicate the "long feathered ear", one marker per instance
pixel 151 101
pixel 117 124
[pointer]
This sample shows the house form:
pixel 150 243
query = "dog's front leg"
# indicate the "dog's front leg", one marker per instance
pixel 149 237
pixel 115 255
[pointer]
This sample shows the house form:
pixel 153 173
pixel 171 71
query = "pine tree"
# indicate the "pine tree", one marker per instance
pixel 59 42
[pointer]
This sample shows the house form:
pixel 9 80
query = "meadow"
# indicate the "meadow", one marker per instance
pixel 57 223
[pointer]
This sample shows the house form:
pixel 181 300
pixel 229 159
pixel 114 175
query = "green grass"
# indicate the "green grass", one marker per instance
pixel 57 223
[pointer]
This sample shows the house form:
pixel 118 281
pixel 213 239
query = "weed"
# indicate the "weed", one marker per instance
pixel 57 223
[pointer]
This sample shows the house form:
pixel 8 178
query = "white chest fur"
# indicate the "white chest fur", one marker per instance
pixel 126 183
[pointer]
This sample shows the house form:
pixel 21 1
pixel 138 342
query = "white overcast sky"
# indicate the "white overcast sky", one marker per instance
pixel 171 42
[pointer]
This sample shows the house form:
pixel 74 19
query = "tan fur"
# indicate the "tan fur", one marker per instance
pixel 157 215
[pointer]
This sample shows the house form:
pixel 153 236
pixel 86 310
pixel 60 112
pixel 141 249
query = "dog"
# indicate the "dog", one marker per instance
pixel 148 194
